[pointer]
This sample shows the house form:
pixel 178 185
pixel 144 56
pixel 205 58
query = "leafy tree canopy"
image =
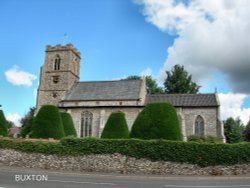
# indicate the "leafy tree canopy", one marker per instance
pixel 151 84
pixel 247 132
pixel 179 81
pixel 27 128
pixel 29 115
pixel 233 129
pixel 3 124
pixel 10 124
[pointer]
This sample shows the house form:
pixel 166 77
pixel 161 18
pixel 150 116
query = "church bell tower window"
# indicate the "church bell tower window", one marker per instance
pixel 57 63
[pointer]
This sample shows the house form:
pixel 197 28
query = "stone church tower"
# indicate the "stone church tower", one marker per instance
pixel 58 74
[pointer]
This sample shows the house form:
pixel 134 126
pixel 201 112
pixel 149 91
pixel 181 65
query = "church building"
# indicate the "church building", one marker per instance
pixel 91 103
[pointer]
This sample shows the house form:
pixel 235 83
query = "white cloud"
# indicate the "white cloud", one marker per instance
pixel 15 118
pixel 146 72
pixel 18 77
pixel 211 35
pixel 231 106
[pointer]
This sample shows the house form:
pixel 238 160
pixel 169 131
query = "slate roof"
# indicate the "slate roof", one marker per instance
pixel 185 100
pixel 105 90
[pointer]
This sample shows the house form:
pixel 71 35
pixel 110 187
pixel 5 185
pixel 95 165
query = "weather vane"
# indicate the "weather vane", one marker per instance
pixel 65 37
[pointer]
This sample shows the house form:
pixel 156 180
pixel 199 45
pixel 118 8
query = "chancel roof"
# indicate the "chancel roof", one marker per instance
pixel 185 100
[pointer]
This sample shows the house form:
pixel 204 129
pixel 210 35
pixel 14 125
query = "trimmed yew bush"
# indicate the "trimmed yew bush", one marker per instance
pixel 157 121
pixel 3 125
pixel 48 123
pixel 68 125
pixel 116 127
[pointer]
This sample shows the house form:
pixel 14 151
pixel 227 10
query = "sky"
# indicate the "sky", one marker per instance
pixel 119 38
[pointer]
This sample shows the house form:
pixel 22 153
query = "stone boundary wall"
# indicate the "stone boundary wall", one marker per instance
pixel 114 163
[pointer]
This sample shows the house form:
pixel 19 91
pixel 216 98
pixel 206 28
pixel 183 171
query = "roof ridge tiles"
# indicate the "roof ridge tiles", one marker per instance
pixel 105 81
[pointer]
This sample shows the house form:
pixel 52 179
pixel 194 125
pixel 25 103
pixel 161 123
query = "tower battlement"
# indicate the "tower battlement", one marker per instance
pixel 60 47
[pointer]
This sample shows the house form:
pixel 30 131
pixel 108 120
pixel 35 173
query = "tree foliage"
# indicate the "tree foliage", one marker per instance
pixel 151 84
pixel 10 124
pixel 3 124
pixel 29 115
pixel 27 127
pixel 179 81
pixel 233 130
pixel 48 123
pixel 247 132
pixel 116 127
pixel 157 121
pixel 68 124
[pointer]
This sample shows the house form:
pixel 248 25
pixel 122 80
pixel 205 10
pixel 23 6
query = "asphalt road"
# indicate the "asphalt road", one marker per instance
pixel 25 178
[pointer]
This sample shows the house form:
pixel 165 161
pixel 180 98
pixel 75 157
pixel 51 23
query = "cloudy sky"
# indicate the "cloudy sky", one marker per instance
pixel 118 38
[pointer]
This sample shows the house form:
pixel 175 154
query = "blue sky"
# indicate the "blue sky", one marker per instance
pixel 118 38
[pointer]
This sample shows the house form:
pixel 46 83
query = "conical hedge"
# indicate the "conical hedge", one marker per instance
pixel 3 125
pixel 157 121
pixel 116 127
pixel 68 124
pixel 48 123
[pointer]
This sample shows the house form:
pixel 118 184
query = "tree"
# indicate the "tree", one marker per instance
pixel 27 128
pixel 151 85
pixel 116 127
pixel 233 130
pixel 157 121
pixel 179 81
pixel 247 132
pixel 48 123
pixel 68 124
pixel 30 114
pixel 10 124
pixel 3 124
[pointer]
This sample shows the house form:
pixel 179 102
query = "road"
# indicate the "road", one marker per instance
pixel 26 178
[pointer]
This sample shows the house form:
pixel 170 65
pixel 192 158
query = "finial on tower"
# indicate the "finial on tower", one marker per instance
pixel 65 38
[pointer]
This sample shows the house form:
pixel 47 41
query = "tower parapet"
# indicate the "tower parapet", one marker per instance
pixel 60 47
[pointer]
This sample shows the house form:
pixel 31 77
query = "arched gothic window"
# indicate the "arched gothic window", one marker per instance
pixel 86 124
pixel 57 63
pixel 199 126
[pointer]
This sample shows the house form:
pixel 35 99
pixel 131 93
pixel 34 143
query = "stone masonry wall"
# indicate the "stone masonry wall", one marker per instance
pixel 101 115
pixel 114 163
pixel 208 114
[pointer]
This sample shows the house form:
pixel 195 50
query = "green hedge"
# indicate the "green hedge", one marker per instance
pixel 116 127
pixel 156 150
pixel 33 146
pixel 48 123
pixel 68 125
pixel 202 139
pixel 157 121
